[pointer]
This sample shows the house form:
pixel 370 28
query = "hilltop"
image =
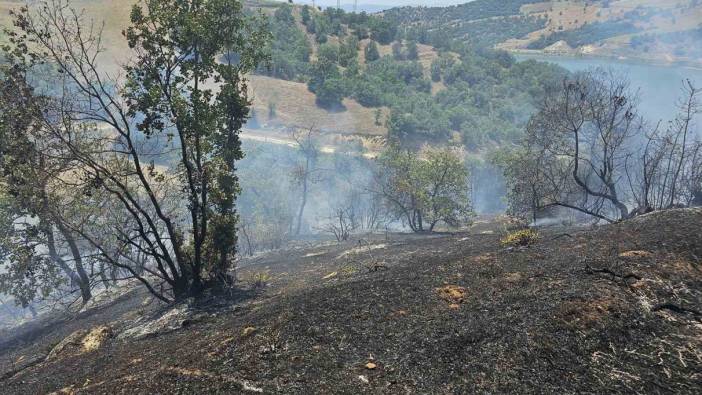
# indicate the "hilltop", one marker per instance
pixel 609 309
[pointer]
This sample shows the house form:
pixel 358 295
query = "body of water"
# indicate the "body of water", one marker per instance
pixel 659 86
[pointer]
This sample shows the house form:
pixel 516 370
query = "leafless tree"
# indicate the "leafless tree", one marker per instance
pixel 341 224
pixel 588 150
pixel 665 172
pixel 580 134
pixel 305 173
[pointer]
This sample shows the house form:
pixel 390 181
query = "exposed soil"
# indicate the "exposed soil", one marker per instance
pixel 612 309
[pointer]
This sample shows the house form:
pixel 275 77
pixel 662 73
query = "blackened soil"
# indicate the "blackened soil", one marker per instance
pixel 612 309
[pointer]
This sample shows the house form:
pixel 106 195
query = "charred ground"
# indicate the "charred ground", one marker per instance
pixel 610 309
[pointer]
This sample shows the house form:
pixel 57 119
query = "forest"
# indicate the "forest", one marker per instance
pixel 487 99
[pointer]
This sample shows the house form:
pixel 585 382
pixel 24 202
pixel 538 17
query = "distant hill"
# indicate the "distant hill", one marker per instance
pixel 320 76
pixel 657 30
pixel 435 77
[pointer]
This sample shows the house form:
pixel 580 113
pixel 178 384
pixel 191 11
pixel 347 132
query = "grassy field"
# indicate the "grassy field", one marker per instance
pixel 295 107
pixel 111 16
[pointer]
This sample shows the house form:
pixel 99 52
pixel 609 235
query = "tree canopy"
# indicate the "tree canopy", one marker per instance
pixel 152 155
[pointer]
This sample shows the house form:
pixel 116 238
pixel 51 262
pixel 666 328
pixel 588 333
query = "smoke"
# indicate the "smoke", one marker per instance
pixel 272 178
pixel 551 221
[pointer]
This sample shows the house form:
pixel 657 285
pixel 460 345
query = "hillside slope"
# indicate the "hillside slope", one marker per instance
pixel 295 104
pixel 612 309
pixel 654 30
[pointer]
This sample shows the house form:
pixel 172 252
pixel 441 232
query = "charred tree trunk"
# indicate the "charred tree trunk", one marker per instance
pixel 83 278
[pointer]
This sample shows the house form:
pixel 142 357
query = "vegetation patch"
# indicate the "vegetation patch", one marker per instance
pixel 636 254
pixel 587 34
pixel 453 294
pixel 96 337
pixel 521 238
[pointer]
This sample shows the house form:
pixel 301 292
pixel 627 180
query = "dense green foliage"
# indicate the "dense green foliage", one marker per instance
pixel 141 179
pixel 290 51
pixel 479 9
pixel 488 96
pixel 480 24
pixel 486 33
pixel 426 188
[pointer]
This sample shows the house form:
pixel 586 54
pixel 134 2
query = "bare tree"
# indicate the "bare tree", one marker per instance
pixel 580 135
pixel 587 150
pixel 305 173
pixel 341 224
pixel 665 172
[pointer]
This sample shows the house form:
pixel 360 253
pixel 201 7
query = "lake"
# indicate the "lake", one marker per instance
pixel 660 86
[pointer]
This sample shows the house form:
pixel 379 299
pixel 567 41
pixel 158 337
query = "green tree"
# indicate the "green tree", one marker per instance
pixel 436 71
pixel 424 188
pixel 328 52
pixel 305 14
pixel 371 52
pixel 33 206
pixel 397 51
pixel 348 51
pixel 412 50
pixel 331 93
pixel 321 71
pixel 382 30
pixel 180 215
pixel 368 94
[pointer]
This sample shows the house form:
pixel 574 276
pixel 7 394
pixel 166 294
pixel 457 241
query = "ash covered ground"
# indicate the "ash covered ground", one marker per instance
pixel 615 308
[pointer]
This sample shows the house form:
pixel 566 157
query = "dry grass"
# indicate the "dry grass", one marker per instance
pixel 672 15
pixel 586 313
pixel 452 294
pixel 96 338
pixel 520 238
pixel 114 14
pixel 295 107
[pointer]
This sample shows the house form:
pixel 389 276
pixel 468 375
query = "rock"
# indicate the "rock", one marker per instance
pixel 249 330
pixel 174 319
pixel 68 345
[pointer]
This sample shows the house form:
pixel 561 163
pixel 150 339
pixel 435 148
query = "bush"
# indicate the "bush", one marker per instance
pixel 368 95
pixel 330 94
pixel 520 238
pixel 371 52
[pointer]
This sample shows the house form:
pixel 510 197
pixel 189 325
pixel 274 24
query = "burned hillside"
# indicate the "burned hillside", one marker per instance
pixel 613 308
